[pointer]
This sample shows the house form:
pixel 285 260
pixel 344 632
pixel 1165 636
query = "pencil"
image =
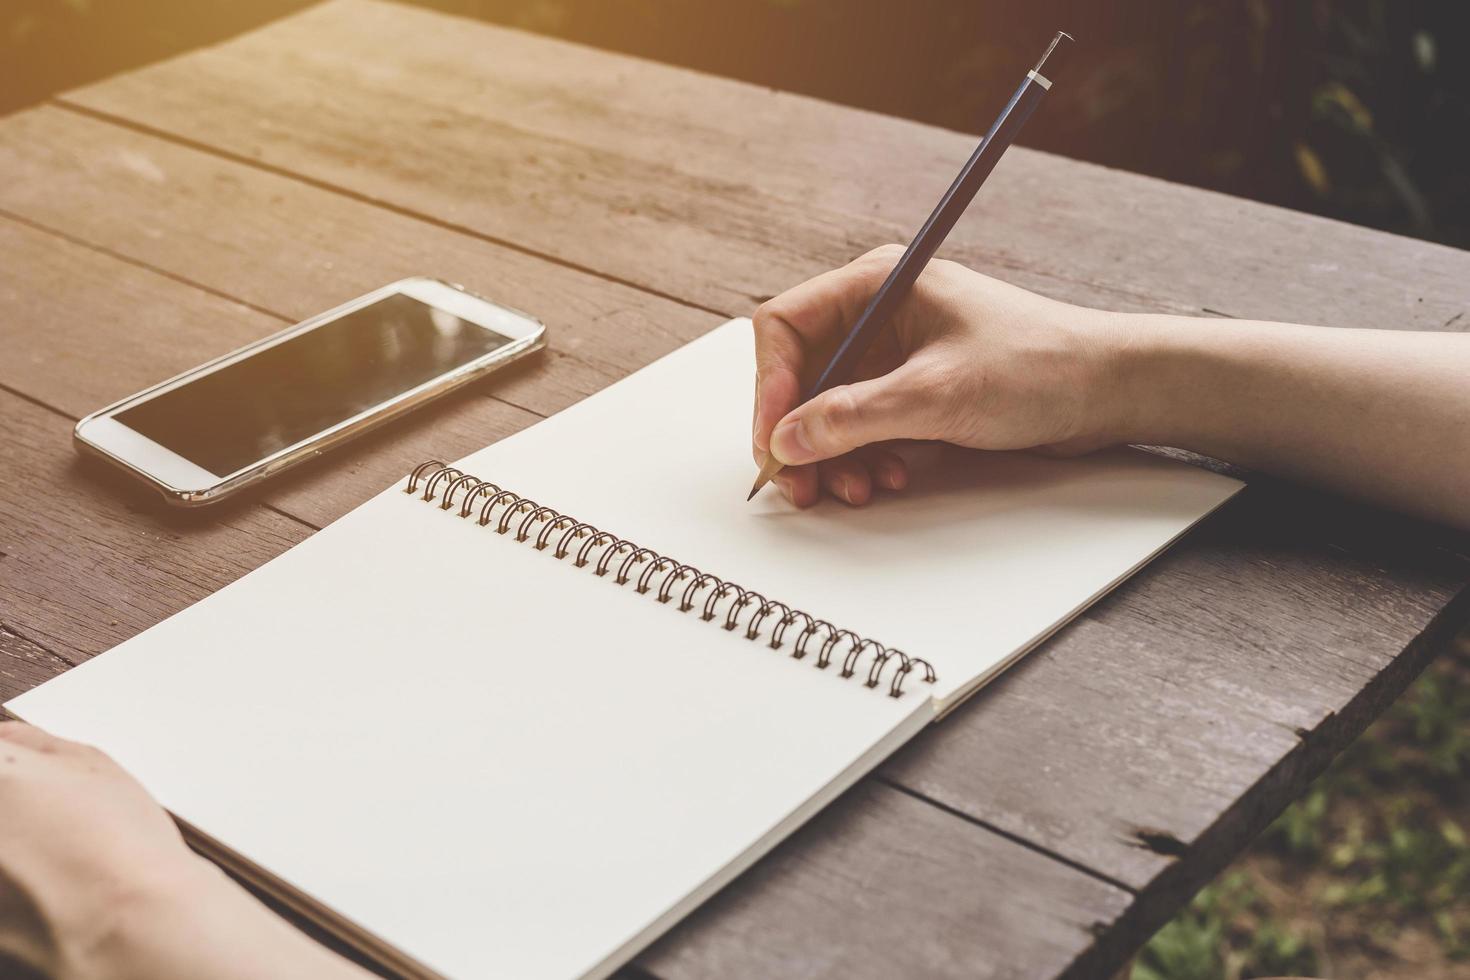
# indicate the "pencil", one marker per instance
pixel 880 309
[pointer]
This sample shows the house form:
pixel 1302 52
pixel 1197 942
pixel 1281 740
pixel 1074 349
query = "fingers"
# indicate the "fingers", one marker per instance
pixel 847 478
pixel 799 484
pixel 776 393
pixel 889 470
pixel 854 479
pixel 803 319
pixel 857 477
pixel 898 405
pixel 31 737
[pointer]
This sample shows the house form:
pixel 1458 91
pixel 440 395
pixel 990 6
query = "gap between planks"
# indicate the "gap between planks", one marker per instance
pixel 1008 835
pixel 183 281
pixel 888 781
pixel 60 102
pixel 360 198
pixel 54 410
pixel 186 281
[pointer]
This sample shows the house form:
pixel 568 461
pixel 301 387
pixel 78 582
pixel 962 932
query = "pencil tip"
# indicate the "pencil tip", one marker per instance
pixel 769 468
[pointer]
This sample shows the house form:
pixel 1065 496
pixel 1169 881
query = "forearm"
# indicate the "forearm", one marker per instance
pixel 1377 414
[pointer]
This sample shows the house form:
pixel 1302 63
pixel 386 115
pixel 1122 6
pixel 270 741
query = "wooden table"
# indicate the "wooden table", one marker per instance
pixel 157 219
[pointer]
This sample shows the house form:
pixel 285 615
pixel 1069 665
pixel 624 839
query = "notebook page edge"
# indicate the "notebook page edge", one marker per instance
pixel 361 940
pixel 923 715
pixel 711 358
pixel 962 693
pixel 324 913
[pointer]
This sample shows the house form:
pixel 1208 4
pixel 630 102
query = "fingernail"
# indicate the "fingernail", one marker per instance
pixel 844 489
pixel 790 444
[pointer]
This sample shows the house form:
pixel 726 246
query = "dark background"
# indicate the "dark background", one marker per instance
pixel 1360 111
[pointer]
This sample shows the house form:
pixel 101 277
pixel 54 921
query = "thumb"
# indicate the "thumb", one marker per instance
pixel 841 419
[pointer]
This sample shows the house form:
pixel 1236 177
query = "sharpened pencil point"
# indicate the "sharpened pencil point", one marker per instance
pixel 769 468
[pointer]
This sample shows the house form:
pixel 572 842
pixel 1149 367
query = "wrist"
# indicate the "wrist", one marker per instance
pixel 194 921
pixel 1159 379
pixel 118 935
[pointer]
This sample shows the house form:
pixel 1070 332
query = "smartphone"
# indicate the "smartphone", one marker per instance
pixel 228 424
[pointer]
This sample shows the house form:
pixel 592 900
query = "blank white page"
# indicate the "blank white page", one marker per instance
pixel 497 762
pixel 983 555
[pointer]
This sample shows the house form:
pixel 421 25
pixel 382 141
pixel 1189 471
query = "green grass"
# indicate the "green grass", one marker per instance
pixel 1367 874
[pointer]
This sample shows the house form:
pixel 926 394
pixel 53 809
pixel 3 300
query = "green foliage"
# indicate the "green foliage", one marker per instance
pixel 1223 934
pixel 1300 828
pixel 1378 845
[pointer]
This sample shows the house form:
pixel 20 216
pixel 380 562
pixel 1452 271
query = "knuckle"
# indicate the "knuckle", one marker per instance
pixel 765 314
pixel 884 256
pixel 946 271
pixel 764 321
pixel 843 414
pixel 768 346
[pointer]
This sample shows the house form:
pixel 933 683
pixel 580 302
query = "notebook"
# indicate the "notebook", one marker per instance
pixel 519 713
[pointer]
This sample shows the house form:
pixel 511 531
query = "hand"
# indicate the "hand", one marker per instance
pixel 96 882
pixel 80 840
pixel 967 359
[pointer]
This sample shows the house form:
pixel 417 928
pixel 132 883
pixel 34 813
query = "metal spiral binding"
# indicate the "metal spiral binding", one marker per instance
pixel 608 553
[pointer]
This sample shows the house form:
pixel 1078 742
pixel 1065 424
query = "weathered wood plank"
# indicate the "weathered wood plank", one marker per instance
pixel 884 885
pixel 287 251
pixel 82 329
pixel 874 838
pixel 1100 838
pixel 24 664
pixel 94 165
pixel 39 149
pixel 1140 781
pixel 90 560
pixel 722 192
pixel 1155 736
pixel 293 250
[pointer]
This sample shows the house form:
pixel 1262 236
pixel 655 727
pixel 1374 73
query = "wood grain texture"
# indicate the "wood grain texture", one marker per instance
pixel 838 900
pixel 286 251
pixel 1145 744
pixel 93 164
pixel 106 328
pixel 23 665
pixel 292 250
pixel 722 192
pixel 1155 736
pixel 873 837
pixel 90 560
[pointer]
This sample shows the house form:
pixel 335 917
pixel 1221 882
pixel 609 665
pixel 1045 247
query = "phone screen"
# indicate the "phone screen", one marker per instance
pixel 243 412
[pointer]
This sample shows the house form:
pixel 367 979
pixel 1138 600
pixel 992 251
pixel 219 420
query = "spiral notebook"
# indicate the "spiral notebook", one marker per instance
pixel 544 700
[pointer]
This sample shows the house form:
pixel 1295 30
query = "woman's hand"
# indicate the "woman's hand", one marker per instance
pixel 1379 414
pixel 80 842
pixel 968 360
pixel 97 884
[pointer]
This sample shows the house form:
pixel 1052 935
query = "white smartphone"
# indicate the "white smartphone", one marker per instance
pixel 228 424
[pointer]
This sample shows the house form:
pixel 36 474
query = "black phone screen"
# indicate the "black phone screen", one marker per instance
pixel 239 414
